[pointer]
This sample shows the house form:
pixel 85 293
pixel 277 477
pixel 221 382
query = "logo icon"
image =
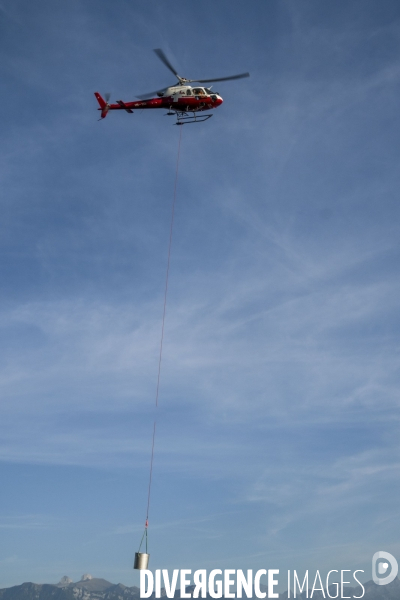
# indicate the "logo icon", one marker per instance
pixel 381 561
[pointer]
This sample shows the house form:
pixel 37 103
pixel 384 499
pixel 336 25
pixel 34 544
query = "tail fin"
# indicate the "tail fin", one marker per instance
pixel 100 100
pixel 104 106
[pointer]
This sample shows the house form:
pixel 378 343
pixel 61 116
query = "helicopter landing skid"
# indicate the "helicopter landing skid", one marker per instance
pixel 184 118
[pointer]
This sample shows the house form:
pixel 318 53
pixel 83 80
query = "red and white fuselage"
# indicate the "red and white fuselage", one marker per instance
pixel 181 98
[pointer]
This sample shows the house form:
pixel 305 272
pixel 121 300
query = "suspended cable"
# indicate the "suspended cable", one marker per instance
pixel 141 560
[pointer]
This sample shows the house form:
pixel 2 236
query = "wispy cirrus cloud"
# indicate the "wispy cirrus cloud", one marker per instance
pixel 27 522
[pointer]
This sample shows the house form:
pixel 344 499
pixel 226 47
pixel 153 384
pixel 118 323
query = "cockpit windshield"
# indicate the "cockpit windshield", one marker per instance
pixel 211 92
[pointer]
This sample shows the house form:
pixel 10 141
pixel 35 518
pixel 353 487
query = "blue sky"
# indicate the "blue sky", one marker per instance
pixel 277 443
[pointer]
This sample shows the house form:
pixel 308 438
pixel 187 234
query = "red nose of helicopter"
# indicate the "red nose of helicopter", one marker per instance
pixel 217 100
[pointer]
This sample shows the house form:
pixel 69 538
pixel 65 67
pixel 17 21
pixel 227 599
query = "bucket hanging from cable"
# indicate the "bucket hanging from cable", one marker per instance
pixel 142 558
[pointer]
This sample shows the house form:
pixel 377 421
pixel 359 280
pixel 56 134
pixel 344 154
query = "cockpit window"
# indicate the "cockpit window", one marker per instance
pixel 188 92
pixel 198 92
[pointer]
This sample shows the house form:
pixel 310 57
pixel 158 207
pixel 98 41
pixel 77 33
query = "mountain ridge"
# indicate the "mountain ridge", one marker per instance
pixel 92 588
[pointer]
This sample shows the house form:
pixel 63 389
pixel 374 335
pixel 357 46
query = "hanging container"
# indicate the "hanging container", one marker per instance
pixel 141 560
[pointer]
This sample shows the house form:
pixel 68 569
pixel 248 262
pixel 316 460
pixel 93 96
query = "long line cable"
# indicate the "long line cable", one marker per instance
pixel 162 338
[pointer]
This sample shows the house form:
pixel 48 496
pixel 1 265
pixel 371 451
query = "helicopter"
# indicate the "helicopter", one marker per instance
pixel 180 99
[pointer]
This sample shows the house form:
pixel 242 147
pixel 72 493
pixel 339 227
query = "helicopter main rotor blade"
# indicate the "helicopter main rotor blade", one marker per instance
pixel 166 62
pixel 183 80
pixel 152 94
pixel 241 76
pixel 149 95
